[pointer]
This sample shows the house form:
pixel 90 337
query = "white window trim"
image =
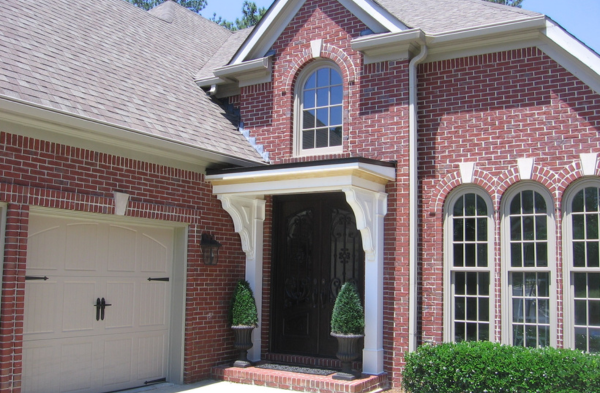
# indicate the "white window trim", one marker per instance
pixel 298 91
pixel 506 311
pixel 568 289
pixel 448 254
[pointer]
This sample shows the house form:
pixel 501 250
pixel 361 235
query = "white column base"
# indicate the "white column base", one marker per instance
pixel 373 361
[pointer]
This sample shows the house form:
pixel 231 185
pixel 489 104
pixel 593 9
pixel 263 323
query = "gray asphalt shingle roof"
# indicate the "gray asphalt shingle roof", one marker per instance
pixel 436 16
pixel 225 53
pixel 110 61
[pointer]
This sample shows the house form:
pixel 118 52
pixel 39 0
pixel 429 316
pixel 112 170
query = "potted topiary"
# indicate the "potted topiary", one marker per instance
pixel 347 325
pixel 243 318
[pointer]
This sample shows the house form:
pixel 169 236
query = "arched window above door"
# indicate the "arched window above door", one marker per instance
pixel 319 110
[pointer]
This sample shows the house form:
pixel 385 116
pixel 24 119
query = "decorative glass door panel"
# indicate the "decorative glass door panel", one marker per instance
pixel 317 248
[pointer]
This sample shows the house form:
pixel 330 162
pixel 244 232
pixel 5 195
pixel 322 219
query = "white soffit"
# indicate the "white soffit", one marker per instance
pixel 313 178
pixel 282 12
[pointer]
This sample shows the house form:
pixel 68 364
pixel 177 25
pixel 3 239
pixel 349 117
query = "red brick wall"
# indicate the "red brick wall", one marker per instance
pixel 38 173
pixel 376 126
pixel 492 110
pixel 489 109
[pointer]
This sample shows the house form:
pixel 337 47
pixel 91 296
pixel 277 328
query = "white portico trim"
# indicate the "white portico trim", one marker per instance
pixel 363 181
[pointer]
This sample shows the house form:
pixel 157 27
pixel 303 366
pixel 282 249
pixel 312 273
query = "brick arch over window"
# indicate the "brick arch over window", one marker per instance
pixel 481 178
pixel 539 174
pixel 330 52
pixel 570 174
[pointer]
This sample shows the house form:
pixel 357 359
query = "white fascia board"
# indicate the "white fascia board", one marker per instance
pixel 374 16
pixel 484 32
pixel 53 125
pixel 293 186
pixel 247 73
pixel 388 173
pixel 572 54
pixel 268 30
pixel 388 46
pixel 208 82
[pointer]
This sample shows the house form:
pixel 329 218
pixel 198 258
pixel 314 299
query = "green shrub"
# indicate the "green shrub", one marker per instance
pixel 491 367
pixel 242 311
pixel 348 316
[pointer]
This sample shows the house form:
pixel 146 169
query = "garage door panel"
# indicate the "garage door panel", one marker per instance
pixel 151 356
pixel 121 296
pixel 41 302
pixel 76 365
pixel 65 349
pixel 45 247
pixel 78 312
pixel 153 303
pixel 153 255
pixel 122 249
pixel 82 247
pixel 40 367
pixel 117 368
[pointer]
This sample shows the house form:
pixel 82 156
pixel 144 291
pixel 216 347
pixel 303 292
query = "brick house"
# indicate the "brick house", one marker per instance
pixel 441 154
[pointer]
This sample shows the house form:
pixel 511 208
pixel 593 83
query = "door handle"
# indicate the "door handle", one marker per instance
pixel 103 305
pixel 98 305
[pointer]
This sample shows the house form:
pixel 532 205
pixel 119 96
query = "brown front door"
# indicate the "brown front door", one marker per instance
pixel 317 248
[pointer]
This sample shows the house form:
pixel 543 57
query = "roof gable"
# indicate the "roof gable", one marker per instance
pixel 281 13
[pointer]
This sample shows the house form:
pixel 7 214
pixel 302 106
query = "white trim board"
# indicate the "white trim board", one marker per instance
pixel 282 12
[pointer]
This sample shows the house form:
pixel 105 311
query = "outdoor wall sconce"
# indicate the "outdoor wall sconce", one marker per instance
pixel 210 249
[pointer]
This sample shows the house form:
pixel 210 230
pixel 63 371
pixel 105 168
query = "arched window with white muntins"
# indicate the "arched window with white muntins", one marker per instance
pixel 582 263
pixel 319 107
pixel 468 274
pixel 529 267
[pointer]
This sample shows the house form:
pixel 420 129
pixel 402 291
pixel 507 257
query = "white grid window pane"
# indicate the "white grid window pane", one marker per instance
pixel 530 309
pixel 322 97
pixel 530 289
pixel 471 306
pixel 470 273
pixel 585 213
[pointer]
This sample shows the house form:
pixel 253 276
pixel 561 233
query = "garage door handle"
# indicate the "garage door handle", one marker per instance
pixel 98 305
pixel 103 305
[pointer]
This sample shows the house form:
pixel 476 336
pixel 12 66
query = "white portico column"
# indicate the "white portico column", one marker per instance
pixel 370 208
pixel 248 216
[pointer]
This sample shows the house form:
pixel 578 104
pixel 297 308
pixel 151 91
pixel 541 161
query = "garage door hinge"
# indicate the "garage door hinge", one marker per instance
pixel 158 279
pixel 36 278
pixel 155 381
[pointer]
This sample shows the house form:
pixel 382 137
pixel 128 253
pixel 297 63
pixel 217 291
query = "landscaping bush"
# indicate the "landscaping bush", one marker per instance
pixel 490 367
pixel 242 311
pixel 348 316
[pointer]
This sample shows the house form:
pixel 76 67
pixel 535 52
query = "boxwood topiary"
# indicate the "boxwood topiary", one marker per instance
pixel 242 311
pixel 348 316
pixel 492 367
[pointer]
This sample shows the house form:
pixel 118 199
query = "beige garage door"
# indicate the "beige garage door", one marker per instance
pixel 96 305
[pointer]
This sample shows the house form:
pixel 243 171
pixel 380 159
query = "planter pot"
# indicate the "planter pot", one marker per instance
pixel 243 342
pixel 347 352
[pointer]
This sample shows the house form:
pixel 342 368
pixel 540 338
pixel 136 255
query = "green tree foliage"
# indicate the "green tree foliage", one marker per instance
pixel 512 3
pixel 192 5
pixel 348 316
pixel 483 366
pixel 251 15
pixel 242 311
